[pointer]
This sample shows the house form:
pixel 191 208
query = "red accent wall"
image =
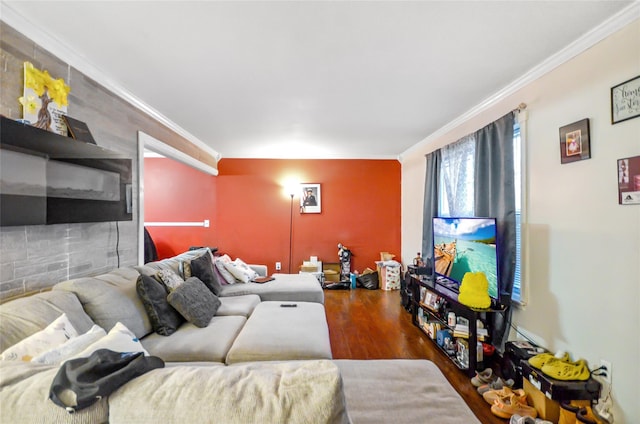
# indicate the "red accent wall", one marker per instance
pixel 252 212
pixel 174 192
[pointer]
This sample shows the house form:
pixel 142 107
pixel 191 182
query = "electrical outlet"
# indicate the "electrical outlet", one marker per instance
pixel 278 266
pixel 608 370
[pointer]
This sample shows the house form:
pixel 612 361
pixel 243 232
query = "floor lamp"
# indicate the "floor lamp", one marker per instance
pixel 291 232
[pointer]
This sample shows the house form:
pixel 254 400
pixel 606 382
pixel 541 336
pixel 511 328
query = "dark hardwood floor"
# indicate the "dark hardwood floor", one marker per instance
pixel 371 324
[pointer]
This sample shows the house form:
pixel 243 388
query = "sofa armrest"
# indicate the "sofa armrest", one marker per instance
pixel 262 270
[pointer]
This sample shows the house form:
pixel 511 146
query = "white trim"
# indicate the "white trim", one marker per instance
pixel 57 48
pixel 145 141
pixel 164 149
pixel 597 34
pixel 204 223
pixel 140 200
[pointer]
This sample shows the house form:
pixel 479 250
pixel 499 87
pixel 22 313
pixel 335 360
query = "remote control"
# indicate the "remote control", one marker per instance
pixel 288 305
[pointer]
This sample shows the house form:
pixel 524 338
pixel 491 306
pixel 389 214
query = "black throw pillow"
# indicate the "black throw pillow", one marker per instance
pixel 202 267
pixel 165 320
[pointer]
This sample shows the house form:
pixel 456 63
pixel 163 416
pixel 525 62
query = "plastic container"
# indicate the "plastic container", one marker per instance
pixel 353 280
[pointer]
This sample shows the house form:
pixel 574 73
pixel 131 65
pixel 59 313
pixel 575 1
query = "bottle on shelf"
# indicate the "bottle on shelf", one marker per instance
pixel 417 261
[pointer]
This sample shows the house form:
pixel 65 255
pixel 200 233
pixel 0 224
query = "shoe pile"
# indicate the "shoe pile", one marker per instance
pixel 517 419
pixel 560 366
pixel 484 377
pixel 495 385
pixel 505 402
pixel 570 413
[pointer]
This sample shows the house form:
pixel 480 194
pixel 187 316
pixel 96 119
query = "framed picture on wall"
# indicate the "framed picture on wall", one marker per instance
pixel 625 100
pixel 629 181
pixel 310 198
pixel 575 142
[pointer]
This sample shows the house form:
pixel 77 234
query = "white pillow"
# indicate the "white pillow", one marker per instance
pixel 119 339
pixel 241 271
pixel 71 347
pixel 221 262
pixel 56 333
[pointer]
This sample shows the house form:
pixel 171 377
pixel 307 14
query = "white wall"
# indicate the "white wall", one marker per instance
pixel 584 249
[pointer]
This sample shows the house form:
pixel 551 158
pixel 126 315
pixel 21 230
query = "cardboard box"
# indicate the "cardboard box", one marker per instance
pixel 331 272
pixel 389 275
pixel 561 390
pixel 548 409
pixel 308 268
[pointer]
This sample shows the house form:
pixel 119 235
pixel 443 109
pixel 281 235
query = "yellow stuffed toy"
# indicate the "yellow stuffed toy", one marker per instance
pixel 474 290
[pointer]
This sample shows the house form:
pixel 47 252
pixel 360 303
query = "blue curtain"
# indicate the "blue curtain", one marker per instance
pixel 495 191
pixel 430 208
pixel 495 197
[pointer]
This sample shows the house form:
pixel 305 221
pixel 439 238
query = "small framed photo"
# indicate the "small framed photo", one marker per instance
pixel 575 142
pixel 310 198
pixel 629 181
pixel 431 300
pixel 78 130
pixel 625 100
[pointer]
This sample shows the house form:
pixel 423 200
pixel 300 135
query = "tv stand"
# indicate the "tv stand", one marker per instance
pixel 431 304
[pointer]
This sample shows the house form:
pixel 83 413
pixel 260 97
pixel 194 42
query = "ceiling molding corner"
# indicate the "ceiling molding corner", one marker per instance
pixel 56 47
pixel 597 34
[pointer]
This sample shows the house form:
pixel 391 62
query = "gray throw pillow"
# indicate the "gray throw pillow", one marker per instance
pixel 170 279
pixel 165 320
pixel 202 267
pixel 195 302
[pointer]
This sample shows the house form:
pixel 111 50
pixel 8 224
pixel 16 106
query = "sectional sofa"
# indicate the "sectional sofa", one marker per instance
pixel 255 361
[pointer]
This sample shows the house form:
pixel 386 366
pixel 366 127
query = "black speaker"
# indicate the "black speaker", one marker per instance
pixel 406 294
pixel 514 352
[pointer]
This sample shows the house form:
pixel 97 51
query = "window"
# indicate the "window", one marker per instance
pixel 516 294
pixel 456 188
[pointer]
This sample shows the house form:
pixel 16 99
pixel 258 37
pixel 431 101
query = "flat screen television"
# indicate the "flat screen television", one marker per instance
pixel 46 178
pixel 462 245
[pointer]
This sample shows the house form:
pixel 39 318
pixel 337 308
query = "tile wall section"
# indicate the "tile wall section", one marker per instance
pixel 36 257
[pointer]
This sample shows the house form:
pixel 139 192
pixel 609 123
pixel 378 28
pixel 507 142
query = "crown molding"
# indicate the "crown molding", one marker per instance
pixel 82 64
pixel 597 34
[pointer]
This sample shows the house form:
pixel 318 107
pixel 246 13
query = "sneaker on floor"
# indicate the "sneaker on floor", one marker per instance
pixel 496 385
pixel 567 370
pixel 483 377
pixel 509 406
pixel 491 395
pixel 542 359
pixel 518 419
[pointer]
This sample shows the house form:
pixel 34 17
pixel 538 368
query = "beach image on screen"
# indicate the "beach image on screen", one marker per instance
pixel 464 245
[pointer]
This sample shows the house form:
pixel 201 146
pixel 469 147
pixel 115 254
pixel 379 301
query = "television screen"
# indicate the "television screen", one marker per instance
pixel 46 178
pixel 462 245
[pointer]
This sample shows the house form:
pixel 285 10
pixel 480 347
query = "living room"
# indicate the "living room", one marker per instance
pixel 577 298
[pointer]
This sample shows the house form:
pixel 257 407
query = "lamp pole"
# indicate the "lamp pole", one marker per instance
pixel 290 232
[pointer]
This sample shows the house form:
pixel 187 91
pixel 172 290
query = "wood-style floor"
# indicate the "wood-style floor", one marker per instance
pixel 371 324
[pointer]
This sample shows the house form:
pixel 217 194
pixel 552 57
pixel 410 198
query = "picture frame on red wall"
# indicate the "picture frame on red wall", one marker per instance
pixel 310 198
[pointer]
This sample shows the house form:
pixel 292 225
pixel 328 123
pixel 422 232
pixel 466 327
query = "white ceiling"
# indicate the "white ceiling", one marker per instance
pixel 312 79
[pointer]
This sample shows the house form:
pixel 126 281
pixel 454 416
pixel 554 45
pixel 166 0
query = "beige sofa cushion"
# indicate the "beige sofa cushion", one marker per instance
pixel 238 305
pixel 294 392
pixel 175 263
pixel 401 391
pixel 23 317
pixel 276 333
pixel 110 298
pixel 193 344
pixel 24 396
pixel 286 287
